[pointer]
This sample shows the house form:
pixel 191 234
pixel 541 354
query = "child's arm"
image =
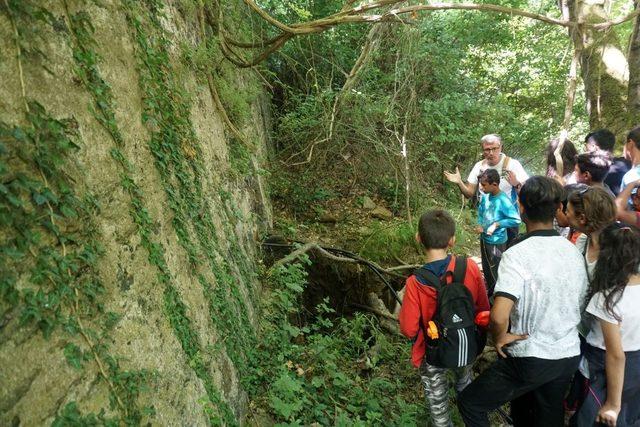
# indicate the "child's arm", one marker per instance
pixel 481 299
pixel 614 368
pixel 480 216
pixel 508 214
pixel 622 209
pixel 409 316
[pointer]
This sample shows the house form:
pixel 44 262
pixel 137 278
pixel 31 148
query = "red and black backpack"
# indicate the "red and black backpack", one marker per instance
pixel 459 340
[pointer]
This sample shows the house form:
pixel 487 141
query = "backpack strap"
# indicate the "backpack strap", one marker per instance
pixel 460 269
pixel 514 192
pixel 426 277
pixel 505 163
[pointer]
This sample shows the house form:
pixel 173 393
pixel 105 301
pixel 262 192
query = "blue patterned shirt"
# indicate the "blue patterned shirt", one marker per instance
pixel 500 209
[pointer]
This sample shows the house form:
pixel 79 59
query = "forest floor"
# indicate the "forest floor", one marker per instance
pixel 365 226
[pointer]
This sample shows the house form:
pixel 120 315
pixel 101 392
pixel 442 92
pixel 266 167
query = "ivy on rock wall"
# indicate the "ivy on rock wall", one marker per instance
pixel 49 251
pixel 51 247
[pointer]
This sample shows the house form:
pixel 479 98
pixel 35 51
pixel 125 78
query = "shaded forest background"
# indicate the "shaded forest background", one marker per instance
pixel 389 106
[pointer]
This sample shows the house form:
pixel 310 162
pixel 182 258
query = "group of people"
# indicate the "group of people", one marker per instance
pixel 562 298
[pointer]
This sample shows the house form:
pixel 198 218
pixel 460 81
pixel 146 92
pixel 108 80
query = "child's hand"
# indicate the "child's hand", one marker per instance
pixel 492 228
pixel 608 414
pixel 479 229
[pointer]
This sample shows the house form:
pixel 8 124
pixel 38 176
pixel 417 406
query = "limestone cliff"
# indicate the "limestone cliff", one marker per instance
pixel 128 215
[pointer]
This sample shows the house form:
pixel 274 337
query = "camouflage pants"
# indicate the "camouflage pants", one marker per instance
pixel 435 382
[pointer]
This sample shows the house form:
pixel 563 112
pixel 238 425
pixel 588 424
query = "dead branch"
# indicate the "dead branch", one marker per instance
pixel 312 246
pixel 16 35
pixel 385 314
pixel 360 14
pixel 388 321
pixel 315 246
pixel 403 267
pixel 571 95
pixel 370 44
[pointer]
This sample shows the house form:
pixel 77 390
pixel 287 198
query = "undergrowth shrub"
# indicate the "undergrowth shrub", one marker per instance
pixel 390 242
pixel 332 371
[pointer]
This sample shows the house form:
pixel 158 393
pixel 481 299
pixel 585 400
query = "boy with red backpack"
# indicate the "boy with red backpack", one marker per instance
pixel 441 302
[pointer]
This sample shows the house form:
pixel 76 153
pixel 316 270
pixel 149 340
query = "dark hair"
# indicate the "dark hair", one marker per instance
pixel 604 139
pixel 540 197
pixel 568 155
pixel 436 228
pixel 618 260
pixel 596 163
pixel 596 205
pixel 569 189
pixel 490 175
pixel 634 135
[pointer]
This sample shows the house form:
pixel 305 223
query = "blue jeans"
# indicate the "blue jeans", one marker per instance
pixel 597 392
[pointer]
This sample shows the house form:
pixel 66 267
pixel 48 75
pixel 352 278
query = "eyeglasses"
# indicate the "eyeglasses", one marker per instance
pixel 491 149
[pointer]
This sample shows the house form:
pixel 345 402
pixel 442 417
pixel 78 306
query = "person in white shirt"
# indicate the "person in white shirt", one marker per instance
pixel 512 174
pixel 632 150
pixel 613 339
pixel 542 283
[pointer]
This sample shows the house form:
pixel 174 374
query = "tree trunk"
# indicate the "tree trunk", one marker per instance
pixel 634 73
pixel 603 67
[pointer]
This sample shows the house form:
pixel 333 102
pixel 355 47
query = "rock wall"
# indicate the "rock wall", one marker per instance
pixel 128 215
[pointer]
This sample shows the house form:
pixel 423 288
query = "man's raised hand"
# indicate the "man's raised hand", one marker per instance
pixel 453 177
pixel 511 178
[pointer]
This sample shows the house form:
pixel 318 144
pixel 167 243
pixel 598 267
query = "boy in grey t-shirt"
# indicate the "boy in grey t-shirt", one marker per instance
pixel 541 286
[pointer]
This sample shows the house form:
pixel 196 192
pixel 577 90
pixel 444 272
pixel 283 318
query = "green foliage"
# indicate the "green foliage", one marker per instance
pixel 38 207
pixel 75 356
pixel 390 242
pixel 440 84
pixel 330 371
pixel 302 193
pixel 51 241
pixel 131 383
pixel 70 416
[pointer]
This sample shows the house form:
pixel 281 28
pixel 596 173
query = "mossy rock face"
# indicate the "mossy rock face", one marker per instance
pixel 149 346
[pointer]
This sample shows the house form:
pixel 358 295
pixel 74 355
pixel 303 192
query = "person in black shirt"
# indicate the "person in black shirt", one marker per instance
pixel 604 139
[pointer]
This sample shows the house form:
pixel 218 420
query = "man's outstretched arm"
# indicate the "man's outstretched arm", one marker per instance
pixel 466 188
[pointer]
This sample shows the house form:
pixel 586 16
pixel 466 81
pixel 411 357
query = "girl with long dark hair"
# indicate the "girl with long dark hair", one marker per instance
pixel 613 340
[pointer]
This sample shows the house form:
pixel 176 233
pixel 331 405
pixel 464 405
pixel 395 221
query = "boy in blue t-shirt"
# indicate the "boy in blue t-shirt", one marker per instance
pixel 496 213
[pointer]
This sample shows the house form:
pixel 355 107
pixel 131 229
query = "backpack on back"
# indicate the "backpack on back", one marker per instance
pixel 457 341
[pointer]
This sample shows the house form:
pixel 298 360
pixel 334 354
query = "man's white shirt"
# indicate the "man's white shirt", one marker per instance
pixel 513 166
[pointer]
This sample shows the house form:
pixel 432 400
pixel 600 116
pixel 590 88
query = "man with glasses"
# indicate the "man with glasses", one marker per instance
pixel 512 174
